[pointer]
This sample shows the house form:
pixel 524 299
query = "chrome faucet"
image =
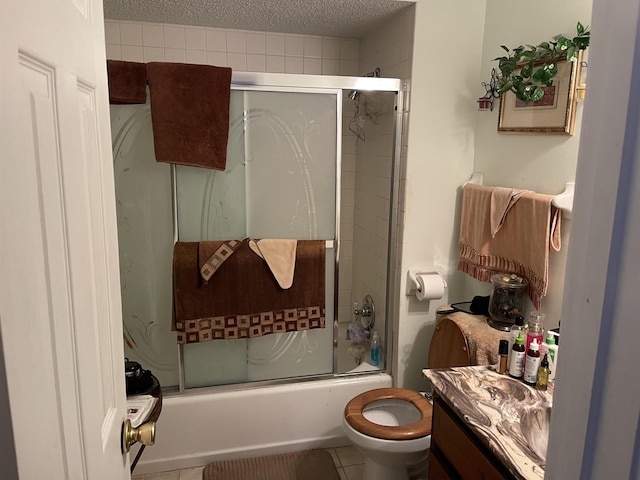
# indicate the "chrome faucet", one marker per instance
pixel 367 313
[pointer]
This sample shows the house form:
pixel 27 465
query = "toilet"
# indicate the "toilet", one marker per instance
pixel 391 427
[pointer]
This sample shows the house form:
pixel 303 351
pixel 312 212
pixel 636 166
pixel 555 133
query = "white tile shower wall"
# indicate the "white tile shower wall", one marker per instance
pixel 238 49
pixel 372 203
pixel 390 48
pixel 347 214
pixel 255 52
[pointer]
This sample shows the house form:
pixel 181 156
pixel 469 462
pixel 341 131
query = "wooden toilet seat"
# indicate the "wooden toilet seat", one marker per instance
pixel 448 348
pixel 354 416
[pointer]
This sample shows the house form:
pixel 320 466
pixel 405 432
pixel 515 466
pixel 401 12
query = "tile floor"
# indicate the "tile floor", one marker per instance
pixel 347 460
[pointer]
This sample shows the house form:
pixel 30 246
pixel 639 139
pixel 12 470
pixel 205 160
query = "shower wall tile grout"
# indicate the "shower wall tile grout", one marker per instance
pixel 241 50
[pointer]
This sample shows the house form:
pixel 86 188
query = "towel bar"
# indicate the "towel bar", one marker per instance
pixel 563 201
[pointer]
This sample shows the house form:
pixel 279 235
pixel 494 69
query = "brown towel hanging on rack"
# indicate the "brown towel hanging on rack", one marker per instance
pixel 127 82
pixel 242 299
pixel 522 245
pixel 190 113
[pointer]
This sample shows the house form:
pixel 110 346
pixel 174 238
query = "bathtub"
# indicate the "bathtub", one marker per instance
pixel 195 429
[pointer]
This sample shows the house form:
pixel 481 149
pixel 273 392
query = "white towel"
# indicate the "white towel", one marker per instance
pixel 280 256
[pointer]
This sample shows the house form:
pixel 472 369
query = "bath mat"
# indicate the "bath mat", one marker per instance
pixel 306 465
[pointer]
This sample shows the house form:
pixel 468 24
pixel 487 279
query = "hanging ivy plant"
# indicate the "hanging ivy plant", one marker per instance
pixel 526 70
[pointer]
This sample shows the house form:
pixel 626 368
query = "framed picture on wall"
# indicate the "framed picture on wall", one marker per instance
pixel 554 114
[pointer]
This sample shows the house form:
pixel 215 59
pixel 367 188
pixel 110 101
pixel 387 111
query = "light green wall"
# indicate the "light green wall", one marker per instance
pixel 543 163
pixel 448 139
pixel 440 151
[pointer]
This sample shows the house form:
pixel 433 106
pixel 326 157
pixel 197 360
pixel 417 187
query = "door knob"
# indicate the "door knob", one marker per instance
pixel 145 434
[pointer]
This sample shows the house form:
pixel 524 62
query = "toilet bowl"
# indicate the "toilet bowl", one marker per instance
pixel 391 427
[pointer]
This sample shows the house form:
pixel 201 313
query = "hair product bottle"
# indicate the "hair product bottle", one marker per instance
pixel 517 357
pixel 503 351
pixel 543 374
pixel 513 334
pixel 532 363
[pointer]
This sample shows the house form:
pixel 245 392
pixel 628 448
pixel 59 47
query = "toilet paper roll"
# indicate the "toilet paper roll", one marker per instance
pixel 430 287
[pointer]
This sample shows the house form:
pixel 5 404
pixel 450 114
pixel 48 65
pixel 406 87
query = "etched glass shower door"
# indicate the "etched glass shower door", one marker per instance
pixel 279 182
pixel 145 238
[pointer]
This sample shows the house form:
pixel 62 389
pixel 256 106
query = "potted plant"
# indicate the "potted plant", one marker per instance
pixel 527 70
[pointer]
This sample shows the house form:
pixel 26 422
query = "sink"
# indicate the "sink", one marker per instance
pixel 534 423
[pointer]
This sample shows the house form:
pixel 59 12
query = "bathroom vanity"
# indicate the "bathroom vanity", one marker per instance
pixel 487 425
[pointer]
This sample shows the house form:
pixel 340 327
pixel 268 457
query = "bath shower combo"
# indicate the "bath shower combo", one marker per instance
pixel 292 172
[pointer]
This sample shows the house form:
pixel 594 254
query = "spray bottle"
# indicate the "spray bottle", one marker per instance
pixel 535 328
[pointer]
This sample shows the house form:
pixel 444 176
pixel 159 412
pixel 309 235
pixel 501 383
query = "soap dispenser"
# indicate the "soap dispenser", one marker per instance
pixel 375 349
pixel 551 348
pixel 535 328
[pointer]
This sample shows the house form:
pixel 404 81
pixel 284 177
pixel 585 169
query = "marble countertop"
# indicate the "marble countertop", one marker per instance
pixel 509 417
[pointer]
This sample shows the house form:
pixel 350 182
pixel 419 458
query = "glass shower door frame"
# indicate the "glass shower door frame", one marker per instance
pixel 333 244
pixel 335 86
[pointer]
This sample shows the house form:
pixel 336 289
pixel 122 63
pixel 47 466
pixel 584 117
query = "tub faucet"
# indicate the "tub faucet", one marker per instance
pixel 367 313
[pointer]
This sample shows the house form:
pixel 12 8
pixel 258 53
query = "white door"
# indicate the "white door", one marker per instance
pixel 60 313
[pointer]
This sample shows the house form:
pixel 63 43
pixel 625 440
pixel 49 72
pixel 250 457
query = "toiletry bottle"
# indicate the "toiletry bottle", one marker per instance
pixel 517 357
pixel 543 374
pixel 535 329
pixel 375 349
pixel 532 363
pixel 513 334
pixel 552 349
pixel 503 351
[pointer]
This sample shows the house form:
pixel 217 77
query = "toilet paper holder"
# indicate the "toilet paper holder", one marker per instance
pixel 412 282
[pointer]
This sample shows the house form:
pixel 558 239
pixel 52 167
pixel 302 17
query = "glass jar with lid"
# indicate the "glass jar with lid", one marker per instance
pixel 507 300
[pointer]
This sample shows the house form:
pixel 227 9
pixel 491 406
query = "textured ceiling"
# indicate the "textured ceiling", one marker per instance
pixel 333 18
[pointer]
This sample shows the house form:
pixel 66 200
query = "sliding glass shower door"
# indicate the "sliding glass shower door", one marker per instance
pixel 280 182
pixel 145 218
pixel 309 158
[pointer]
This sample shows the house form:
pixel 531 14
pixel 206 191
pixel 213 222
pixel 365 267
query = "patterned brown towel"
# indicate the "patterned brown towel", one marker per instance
pixel 215 260
pixel 190 113
pixel 242 299
pixel 521 246
pixel 127 82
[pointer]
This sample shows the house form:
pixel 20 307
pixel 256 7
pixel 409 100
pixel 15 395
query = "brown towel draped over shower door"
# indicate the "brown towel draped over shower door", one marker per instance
pixel 127 82
pixel 190 113
pixel 242 299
